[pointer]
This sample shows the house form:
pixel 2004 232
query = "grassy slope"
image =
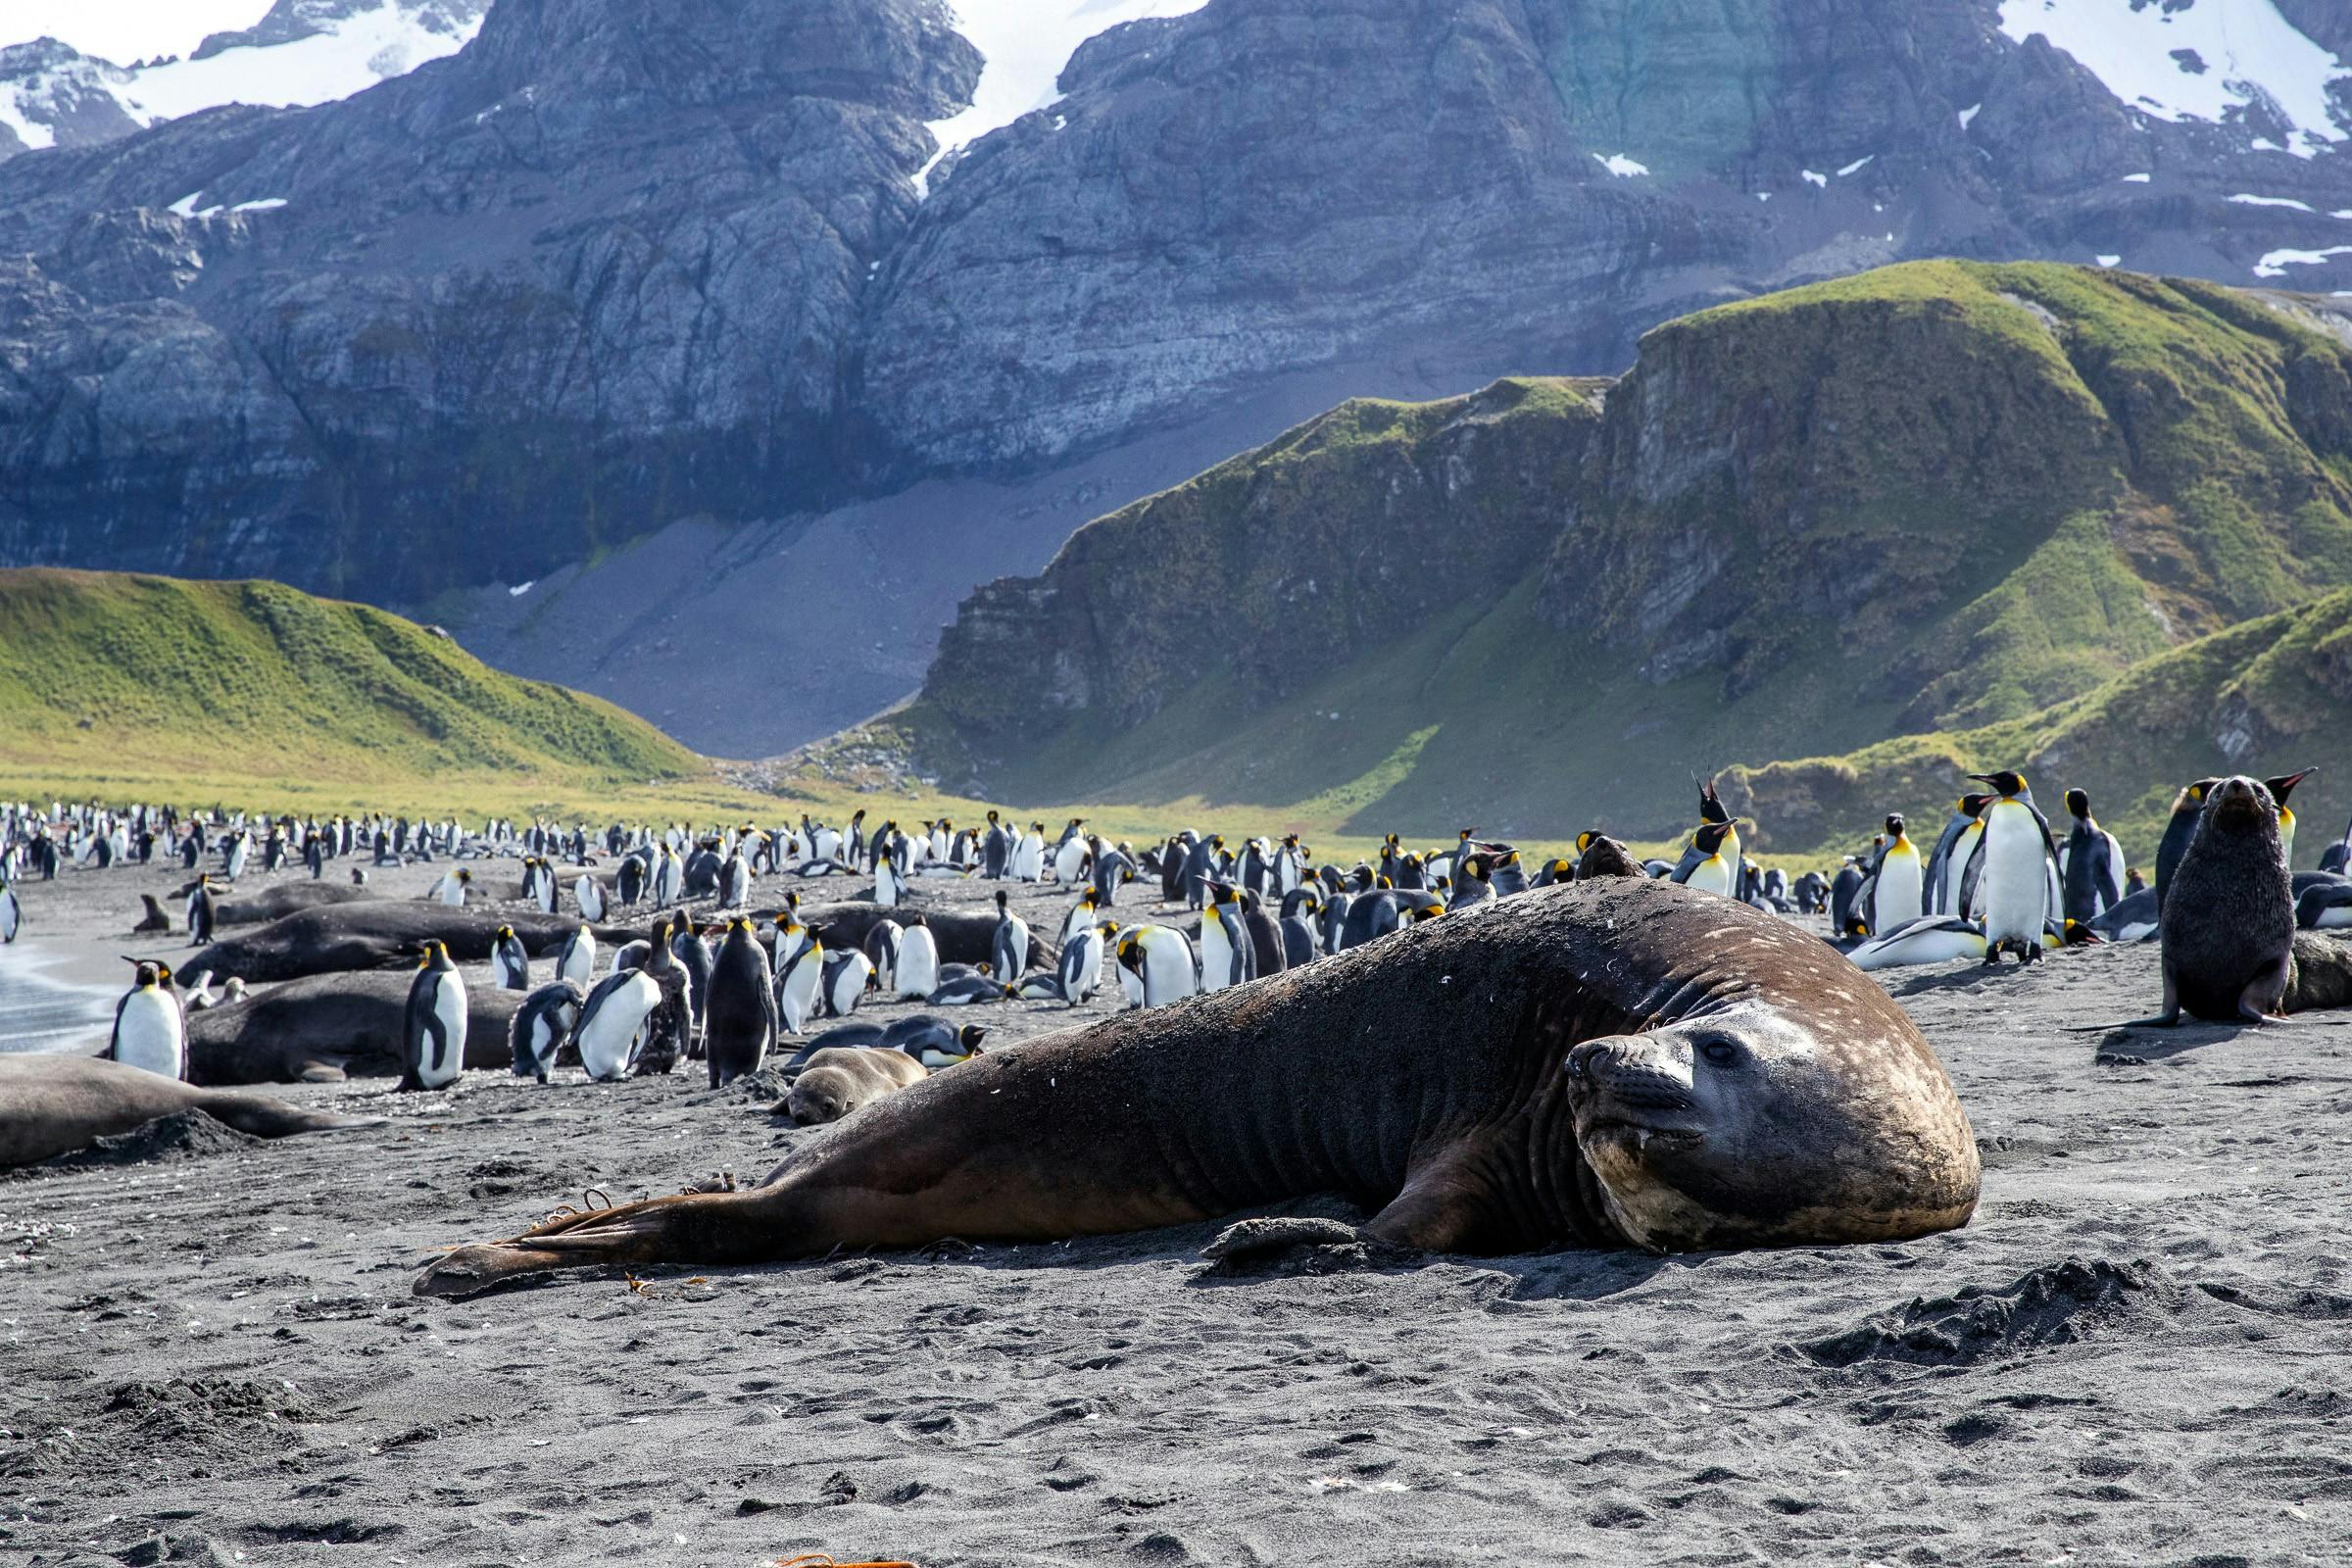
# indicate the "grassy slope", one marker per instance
pixel 2014 485
pixel 121 684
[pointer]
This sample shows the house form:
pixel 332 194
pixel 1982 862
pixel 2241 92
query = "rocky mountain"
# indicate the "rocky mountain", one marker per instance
pixel 301 52
pixel 1935 499
pixel 697 278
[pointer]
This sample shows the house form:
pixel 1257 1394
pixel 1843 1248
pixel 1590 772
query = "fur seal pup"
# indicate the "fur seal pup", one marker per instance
pixel 1627 1064
pixel 2229 921
pixel 840 1079
pixel 51 1106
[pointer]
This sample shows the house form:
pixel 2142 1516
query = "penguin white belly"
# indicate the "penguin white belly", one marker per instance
pixel 1068 860
pixel 589 894
pixel 149 1034
pixel 1897 900
pixel 917 968
pixel 1712 874
pixel 2013 885
pixel 606 1036
pixel 1955 866
pixel 1216 955
pixel 1082 966
pixel 1930 943
pixel 449 1009
pixel 12 917
pixel 579 962
pixel 1168 972
pixel 886 888
pixel 2333 919
pixel 848 986
pixel 797 1000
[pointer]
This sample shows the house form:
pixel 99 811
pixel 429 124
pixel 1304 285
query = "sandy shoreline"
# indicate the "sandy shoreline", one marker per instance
pixel 2139 1352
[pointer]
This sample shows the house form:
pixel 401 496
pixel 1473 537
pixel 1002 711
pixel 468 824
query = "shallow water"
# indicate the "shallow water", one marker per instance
pixel 40 1014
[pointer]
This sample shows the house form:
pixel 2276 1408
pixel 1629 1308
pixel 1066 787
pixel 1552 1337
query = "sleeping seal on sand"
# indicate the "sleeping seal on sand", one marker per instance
pixel 1614 1063
pixel 840 1079
pixel 55 1104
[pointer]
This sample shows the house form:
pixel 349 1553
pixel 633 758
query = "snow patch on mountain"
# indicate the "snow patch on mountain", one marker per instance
pixel 1025 44
pixel 2201 61
pixel 349 53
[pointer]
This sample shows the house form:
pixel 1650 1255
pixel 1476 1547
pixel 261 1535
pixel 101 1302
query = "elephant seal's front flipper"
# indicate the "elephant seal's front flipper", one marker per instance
pixel 1612 1063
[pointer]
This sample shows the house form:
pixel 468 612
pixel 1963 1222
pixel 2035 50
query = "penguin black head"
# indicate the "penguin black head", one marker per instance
pixel 914 918
pixel 1584 840
pixel 2077 803
pixel 2007 784
pixel 1894 824
pixel 2193 799
pixel 2281 785
pixel 1710 836
pixel 1972 806
pixel 146 971
pixel 505 933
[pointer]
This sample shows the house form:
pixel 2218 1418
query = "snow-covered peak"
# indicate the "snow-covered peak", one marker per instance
pixel 2195 59
pixel 301 52
pixel 1025 43
pixel 52 96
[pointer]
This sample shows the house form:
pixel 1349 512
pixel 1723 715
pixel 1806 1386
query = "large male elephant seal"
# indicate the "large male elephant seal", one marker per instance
pixel 275 904
pixel 378 934
pixel 55 1104
pixel 334 1026
pixel 1612 1063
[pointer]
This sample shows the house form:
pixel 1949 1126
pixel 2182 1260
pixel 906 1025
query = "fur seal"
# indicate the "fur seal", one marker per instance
pixel 1624 1062
pixel 840 1079
pixel 51 1106
pixel 2228 920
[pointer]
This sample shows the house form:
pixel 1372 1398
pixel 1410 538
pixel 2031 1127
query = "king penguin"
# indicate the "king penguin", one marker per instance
pixel 1160 960
pixel 509 964
pixel 2093 862
pixel 916 974
pixel 200 911
pixel 433 1031
pixel 2280 788
pixel 1708 863
pixel 578 962
pixel 541 1025
pixel 1895 890
pixel 740 1018
pixel 150 1032
pixel 1010 952
pixel 11 913
pixel 2017 867
pixel 1080 972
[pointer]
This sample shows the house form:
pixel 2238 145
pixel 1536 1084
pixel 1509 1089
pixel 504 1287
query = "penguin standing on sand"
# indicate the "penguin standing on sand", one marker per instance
pixel 1160 959
pixel 2018 865
pixel 509 964
pixel 917 973
pixel 740 1021
pixel 1080 972
pixel 612 1023
pixel 1955 846
pixel 2093 862
pixel 628 884
pixel 995 849
pixel 150 1032
pixel 889 891
pixel 1010 950
pixel 799 974
pixel 734 882
pixel 1896 891
pixel 1226 953
pixel 11 913
pixel 577 963
pixel 1081 915
pixel 881 950
pixel 847 978
pixel 541 1025
pixel 589 894
pixel 433 1031
pixel 200 912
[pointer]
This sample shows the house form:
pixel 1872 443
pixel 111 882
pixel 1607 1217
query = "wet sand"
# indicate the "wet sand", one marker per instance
pixel 2139 1352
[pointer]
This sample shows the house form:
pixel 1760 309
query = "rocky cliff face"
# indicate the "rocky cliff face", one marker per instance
pixel 1933 498
pixel 494 315
pixel 617 265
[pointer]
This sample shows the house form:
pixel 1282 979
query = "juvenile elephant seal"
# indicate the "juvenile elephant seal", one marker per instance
pixel 55 1104
pixel 840 1079
pixel 1621 1062
pixel 334 1026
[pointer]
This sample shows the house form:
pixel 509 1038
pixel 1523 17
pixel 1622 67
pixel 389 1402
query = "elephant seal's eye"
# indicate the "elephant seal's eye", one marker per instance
pixel 1722 1051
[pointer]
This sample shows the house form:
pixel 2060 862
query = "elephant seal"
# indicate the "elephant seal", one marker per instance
pixel 287 898
pixel 1620 1062
pixel 379 933
pixel 335 1026
pixel 840 1079
pixel 51 1106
